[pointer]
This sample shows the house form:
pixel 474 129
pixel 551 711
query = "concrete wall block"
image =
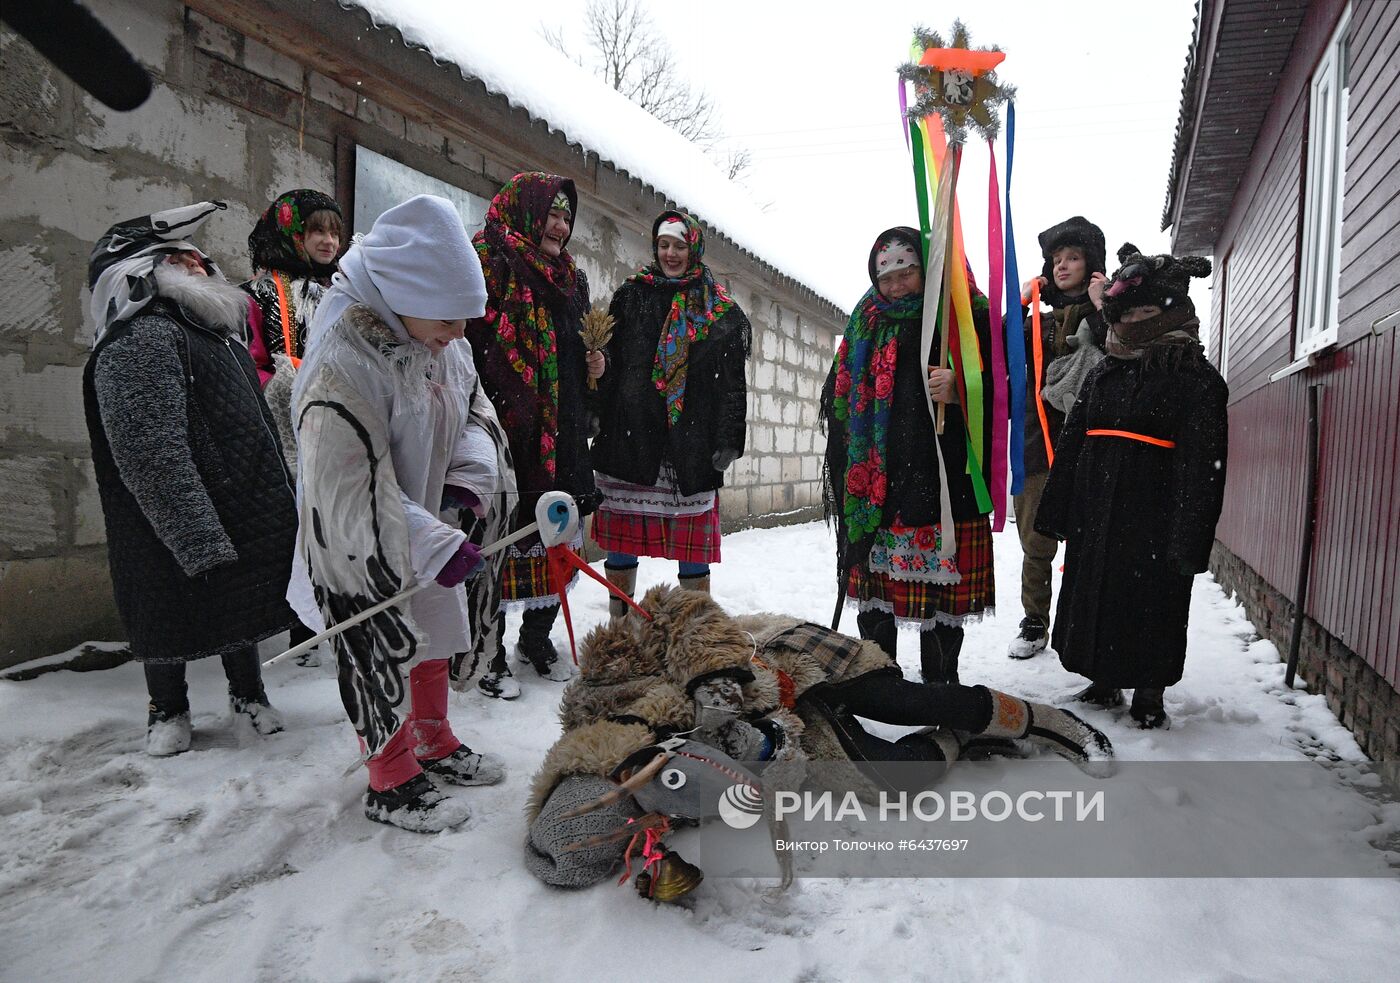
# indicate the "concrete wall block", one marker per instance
pixel 791 410
pixel 760 439
pixel 425 136
pixel 768 408
pixel 89 527
pixel 32 624
pixel 327 90
pixel 811 468
pixel 30 97
pixel 464 154
pixel 768 344
pixel 764 374
pixel 784 380
pixel 784 440
pixel 760 500
pixel 31 289
pixel 792 469
pixel 29 522
pixel 43 407
pixel 389 120
pixel 178 133
pixel 146 28
pixel 769 469
pixel 274 66
pixel 733 506
pixel 742 471
pixel 310 165
pixel 213 37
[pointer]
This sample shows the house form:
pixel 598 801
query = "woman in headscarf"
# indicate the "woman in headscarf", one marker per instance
pixel 293 247
pixel 534 368
pixel 392 426
pixel 884 482
pixel 671 411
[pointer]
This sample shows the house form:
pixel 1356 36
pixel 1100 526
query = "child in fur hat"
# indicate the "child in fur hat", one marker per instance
pixel 1074 259
pixel 1137 486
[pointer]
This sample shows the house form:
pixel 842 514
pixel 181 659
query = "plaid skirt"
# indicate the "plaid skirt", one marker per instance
pixel 922 601
pixel 525 573
pixel 687 538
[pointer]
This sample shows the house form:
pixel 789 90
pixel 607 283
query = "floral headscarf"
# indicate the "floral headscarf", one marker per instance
pixel 276 242
pixel 521 283
pixel 698 303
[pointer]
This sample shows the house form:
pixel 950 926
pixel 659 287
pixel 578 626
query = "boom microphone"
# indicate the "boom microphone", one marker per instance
pixel 68 35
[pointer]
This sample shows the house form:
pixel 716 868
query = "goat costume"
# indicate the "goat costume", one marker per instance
pixel 1138 483
pixel 383 425
pixel 196 498
pixel 761 687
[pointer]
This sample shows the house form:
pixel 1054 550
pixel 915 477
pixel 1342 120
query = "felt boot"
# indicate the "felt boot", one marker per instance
pixel 625 580
pixel 1050 727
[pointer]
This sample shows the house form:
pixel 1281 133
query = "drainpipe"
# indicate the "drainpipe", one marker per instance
pixel 1300 592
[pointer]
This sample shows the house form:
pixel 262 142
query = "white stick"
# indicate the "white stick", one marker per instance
pixel 399 598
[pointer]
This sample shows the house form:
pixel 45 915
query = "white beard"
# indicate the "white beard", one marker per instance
pixel 210 300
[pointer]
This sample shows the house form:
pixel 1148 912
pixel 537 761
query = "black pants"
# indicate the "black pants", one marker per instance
pixel 888 697
pixel 165 681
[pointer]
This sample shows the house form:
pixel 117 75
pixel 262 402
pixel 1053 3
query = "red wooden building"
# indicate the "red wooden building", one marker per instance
pixel 1285 170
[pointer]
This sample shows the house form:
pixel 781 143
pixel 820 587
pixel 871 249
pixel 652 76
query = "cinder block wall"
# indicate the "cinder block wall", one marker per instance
pixel 234 119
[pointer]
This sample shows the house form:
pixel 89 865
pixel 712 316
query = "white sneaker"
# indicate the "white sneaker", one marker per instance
pixel 1031 641
pixel 169 736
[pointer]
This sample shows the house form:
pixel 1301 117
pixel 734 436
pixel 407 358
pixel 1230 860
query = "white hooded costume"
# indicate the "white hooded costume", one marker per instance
pixel 382 424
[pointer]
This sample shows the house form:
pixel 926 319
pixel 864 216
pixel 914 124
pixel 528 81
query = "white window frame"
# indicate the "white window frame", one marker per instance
pixel 1227 309
pixel 1323 190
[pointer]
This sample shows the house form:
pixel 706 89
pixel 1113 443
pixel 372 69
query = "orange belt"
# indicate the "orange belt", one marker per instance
pixel 1129 435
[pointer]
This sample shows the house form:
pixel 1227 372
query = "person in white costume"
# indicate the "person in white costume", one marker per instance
pixel 394 440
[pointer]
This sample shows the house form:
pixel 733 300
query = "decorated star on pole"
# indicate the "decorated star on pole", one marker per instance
pixel 957 83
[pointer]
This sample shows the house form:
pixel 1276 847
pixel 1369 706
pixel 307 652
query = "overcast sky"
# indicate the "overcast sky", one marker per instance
pixel 809 88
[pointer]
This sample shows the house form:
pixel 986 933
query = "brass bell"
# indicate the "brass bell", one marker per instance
pixel 670 880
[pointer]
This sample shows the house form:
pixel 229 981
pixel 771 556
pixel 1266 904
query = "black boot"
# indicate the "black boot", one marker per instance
pixel 536 648
pixel 1147 708
pixel 497 680
pixel 1100 695
pixel 938 654
pixel 880 628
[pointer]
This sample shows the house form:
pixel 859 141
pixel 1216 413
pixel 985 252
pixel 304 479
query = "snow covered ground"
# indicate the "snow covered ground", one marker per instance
pixel 249 859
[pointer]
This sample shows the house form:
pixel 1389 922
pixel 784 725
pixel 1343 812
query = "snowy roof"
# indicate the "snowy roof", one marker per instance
pixel 535 77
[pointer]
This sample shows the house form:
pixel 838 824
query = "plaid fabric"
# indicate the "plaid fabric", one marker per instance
pixel 831 650
pixel 687 538
pixel 926 602
pixel 525 575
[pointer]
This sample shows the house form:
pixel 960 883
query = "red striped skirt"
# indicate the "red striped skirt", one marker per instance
pixel 687 538
pixel 922 601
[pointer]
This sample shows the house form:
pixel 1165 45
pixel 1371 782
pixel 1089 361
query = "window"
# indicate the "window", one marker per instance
pixel 381 183
pixel 1322 197
pixel 1227 313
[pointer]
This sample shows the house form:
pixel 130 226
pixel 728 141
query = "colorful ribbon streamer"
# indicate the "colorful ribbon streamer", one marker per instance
pixel 1015 328
pixel 999 411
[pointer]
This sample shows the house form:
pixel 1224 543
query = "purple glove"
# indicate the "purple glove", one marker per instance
pixel 466 562
pixel 457 497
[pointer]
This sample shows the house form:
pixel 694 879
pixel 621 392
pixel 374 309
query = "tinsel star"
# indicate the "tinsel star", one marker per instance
pixel 957 82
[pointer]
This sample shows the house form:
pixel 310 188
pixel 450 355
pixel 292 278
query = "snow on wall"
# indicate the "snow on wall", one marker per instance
pixel 535 77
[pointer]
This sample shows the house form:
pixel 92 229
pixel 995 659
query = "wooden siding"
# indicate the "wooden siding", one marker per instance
pixel 1370 285
pixel 1354 593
